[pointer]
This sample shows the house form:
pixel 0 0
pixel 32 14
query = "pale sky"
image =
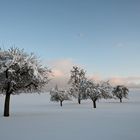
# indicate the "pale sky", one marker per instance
pixel 103 36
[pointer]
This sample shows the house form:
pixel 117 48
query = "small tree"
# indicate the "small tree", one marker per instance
pixel 59 95
pixel 20 72
pixel 120 92
pixel 93 91
pixel 77 80
pixel 106 89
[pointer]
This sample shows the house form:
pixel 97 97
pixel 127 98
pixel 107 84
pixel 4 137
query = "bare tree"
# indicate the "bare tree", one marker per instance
pixel 120 92
pixel 20 72
pixel 59 95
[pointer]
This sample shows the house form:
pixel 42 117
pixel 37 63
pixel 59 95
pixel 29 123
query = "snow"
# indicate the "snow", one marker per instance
pixel 35 117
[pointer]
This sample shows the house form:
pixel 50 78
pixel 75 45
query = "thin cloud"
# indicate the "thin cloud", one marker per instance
pixel 61 74
pixel 95 77
pixel 120 45
pixel 81 35
pixel 132 82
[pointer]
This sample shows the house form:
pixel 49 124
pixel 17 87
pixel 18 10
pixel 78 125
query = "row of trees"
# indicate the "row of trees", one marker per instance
pixel 82 88
pixel 21 72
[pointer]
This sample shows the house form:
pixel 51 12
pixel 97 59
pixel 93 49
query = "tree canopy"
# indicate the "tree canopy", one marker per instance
pixel 20 72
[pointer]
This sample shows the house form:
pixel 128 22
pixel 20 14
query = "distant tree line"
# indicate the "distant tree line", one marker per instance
pixel 83 88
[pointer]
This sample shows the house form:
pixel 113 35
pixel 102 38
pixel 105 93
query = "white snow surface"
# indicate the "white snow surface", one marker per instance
pixel 35 117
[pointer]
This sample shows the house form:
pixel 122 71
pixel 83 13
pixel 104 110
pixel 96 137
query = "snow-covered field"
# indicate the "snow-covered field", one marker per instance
pixel 34 117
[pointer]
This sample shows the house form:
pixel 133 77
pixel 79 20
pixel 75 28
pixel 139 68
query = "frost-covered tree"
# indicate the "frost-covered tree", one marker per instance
pixel 120 92
pixel 93 91
pixel 59 95
pixel 77 80
pixel 20 72
pixel 106 89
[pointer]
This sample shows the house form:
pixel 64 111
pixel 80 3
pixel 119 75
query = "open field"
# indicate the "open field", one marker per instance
pixel 34 117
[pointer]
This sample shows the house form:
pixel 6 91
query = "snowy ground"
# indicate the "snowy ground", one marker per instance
pixel 34 117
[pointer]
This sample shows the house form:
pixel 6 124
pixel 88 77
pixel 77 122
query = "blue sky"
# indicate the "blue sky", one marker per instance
pixel 101 35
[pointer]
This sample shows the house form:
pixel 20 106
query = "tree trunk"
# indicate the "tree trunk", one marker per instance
pixel 61 103
pixel 94 104
pixel 7 105
pixel 120 100
pixel 79 100
pixel 7 97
